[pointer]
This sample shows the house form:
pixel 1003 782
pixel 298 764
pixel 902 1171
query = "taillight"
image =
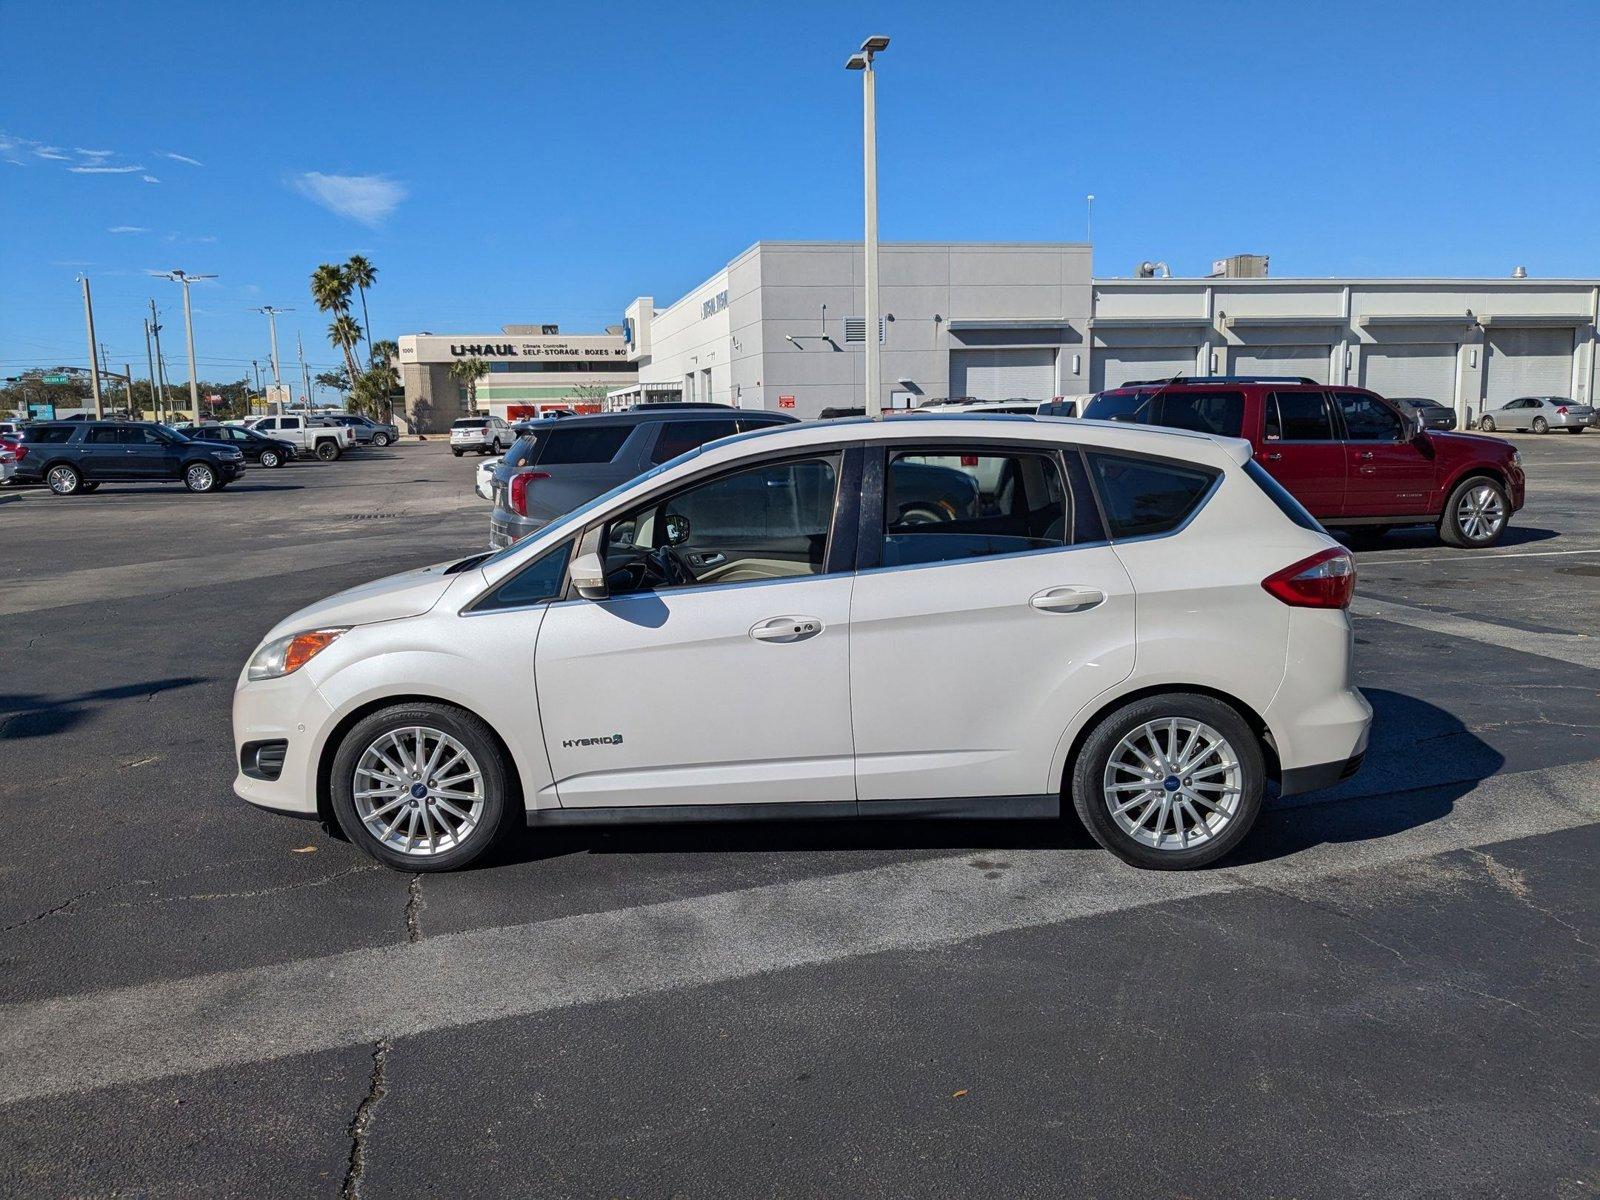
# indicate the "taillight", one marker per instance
pixel 518 493
pixel 1562 411
pixel 18 450
pixel 1325 580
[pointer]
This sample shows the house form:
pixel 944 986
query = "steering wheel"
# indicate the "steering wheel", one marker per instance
pixel 665 566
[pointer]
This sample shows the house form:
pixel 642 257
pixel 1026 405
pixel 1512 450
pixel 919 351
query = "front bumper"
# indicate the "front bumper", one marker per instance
pixel 290 710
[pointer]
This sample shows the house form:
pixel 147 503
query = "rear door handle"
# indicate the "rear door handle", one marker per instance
pixel 786 629
pixel 1273 457
pixel 1067 599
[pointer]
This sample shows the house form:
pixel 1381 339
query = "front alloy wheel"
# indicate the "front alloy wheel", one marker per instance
pixel 380 440
pixel 269 458
pixel 198 477
pixel 1476 514
pixel 422 787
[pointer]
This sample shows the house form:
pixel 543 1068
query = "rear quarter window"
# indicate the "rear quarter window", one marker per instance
pixel 1142 497
pixel 47 434
pixel 568 446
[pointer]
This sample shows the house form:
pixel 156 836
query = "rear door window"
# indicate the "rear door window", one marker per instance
pixel 1298 417
pixel 941 504
pixel 103 437
pixel 679 437
pixel 567 446
pixel 1146 496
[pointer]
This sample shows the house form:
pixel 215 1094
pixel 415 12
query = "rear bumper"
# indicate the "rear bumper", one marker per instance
pixel 507 527
pixel 1322 775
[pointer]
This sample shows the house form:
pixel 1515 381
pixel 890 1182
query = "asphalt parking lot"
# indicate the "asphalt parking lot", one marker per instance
pixel 1392 988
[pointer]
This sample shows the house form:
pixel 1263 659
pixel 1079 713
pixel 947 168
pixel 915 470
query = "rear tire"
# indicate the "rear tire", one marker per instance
pixel 1203 804
pixel 1476 514
pixel 1540 425
pixel 457 453
pixel 64 479
pixel 1485 424
pixel 328 451
pixel 490 800
pixel 1576 429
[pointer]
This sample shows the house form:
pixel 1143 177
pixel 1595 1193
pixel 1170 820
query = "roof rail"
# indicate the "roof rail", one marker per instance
pixel 1217 379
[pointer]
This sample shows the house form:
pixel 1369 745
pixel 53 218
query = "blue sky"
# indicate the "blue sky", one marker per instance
pixel 549 162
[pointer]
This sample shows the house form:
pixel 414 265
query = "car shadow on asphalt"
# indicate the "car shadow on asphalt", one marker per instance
pixel 1424 537
pixel 31 714
pixel 1420 761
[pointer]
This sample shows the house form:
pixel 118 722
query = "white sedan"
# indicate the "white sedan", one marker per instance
pixel 484 481
pixel 1137 622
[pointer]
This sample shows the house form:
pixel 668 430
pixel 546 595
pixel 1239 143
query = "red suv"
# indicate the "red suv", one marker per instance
pixel 1347 454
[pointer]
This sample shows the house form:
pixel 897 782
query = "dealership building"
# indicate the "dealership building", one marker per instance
pixel 781 327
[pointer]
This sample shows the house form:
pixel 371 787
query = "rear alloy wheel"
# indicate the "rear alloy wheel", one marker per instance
pixel 1485 424
pixel 327 451
pixel 198 477
pixel 1540 425
pixel 64 480
pixel 1476 514
pixel 1170 782
pixel 422 787
pixel 269 458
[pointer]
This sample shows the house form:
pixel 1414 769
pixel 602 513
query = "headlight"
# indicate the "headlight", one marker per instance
pixel 1516 459
pixel 289 654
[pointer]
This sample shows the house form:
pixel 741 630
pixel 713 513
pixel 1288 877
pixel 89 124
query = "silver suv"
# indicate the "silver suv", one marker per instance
pixel 556 465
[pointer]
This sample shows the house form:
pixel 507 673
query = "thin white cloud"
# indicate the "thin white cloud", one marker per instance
pixel 183 158
pixel 150 179
pixel 97 155
pixel 370 199
pixel 127 229
pixel 51 152
pixel 104 170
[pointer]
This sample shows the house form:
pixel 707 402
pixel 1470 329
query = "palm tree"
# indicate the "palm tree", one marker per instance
pixel 385 351
pixel 361 273
pixel 468 371
pixel 330 288
pixel 346 334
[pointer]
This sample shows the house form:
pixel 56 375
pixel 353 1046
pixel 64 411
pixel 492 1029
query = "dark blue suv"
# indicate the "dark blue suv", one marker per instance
pixel 78 456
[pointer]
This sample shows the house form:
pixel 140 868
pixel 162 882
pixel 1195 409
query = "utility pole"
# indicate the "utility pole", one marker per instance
pixel 127 371
pixel 272 324
pixel 305 375
pixel 94 362
pixel 186 279
pixel 862 61
pixel 161 363
pixel 155 402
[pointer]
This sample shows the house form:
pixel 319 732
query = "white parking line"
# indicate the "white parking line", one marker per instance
pixel 1577 648
pixel 185 1026
pixel 1453 557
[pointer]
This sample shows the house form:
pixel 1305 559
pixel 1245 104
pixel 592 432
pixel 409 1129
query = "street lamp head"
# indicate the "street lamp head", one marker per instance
pixel 856 62
pixel 875 44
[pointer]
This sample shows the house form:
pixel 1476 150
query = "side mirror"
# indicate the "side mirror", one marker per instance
pixel 589 577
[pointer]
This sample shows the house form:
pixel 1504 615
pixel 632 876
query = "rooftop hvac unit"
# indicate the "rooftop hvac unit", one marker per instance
pixel 1240 266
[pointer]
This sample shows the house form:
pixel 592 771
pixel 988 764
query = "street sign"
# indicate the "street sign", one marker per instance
pixel 54 379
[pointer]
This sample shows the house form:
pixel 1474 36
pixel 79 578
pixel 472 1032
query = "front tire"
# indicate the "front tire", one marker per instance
pixel 1540 425
pixel 1485 424
pixel 269 459
pixel 380 440
pixel 423 787
pixel 200 478
pixel 1170 782
pixel 1476 514
pixel 64 480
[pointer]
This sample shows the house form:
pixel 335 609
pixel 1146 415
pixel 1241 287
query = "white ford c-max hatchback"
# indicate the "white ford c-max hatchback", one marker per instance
pixel 963 616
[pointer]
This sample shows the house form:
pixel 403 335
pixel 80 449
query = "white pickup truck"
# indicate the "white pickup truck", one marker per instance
pixel 327 442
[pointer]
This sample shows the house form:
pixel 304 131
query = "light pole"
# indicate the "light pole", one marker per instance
pixel 272 324
pixel 188 328
pixel 1088 220
pixel 94 360
pixel 862 61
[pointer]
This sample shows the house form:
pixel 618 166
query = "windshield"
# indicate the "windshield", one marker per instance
pixel 577 515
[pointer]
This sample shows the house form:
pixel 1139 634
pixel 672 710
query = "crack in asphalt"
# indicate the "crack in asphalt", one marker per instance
pixel 414 906
pixel 361 1123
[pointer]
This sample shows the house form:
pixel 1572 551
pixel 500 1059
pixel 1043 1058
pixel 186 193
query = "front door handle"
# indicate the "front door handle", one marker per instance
pixel 1067 599
pixel 711 558
pixel 1365 455
pixel 786 629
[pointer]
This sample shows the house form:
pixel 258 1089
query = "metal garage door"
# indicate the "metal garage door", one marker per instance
pixel 1527 362
pixel 1003 374
pixel 1423 369
pixel 1310 361
pixel 1117 365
